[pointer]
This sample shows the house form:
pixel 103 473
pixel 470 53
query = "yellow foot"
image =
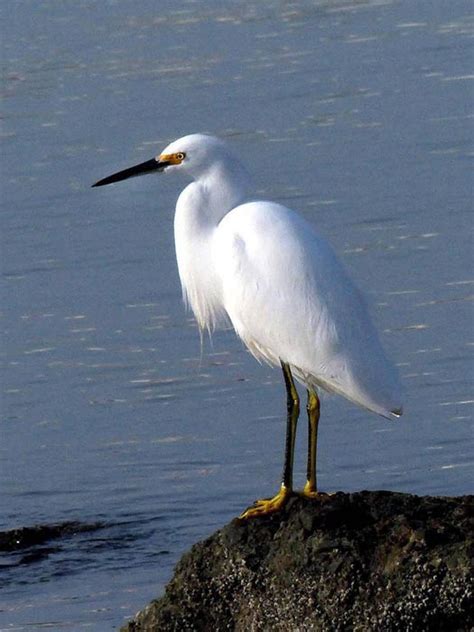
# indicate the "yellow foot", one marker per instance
pixel 310 492
pixel 267 506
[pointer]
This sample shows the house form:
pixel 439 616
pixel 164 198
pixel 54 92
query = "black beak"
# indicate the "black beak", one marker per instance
pixel 138 170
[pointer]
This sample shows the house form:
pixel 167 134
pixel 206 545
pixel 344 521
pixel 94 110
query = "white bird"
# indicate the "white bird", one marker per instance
pixel 264 268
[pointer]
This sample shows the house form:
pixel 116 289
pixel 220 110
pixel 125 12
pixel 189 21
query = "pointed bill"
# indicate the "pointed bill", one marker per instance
pixel 149 166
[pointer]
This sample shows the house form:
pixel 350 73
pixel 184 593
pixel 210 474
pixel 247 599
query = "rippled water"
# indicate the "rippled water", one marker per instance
pixel 359 115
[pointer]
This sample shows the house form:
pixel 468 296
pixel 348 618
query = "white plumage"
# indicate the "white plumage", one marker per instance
pixel 262 267
pixel 280 284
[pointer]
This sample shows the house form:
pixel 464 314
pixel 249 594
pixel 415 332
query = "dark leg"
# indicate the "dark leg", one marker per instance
pixel 270 505
pixel 293 411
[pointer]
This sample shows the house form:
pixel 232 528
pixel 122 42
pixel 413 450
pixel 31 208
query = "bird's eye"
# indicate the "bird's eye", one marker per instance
pixel 180 156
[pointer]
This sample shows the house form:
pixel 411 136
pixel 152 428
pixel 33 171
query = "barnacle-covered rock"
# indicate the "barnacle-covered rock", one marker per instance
pixel 362 561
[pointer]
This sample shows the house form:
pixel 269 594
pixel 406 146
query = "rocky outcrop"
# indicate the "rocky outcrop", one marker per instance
pixel 29 545
pixel 26 537
pixel 368 561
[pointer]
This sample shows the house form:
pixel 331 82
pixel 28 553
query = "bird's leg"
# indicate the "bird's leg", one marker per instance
pixel 293 412
pixel 270 505
pixel 313 409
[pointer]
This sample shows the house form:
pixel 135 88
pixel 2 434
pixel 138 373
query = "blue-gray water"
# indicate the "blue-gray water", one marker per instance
pixel 357 114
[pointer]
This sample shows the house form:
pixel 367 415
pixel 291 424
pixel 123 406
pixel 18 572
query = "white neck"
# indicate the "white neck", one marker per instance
pixel 199 209
pixel 221 188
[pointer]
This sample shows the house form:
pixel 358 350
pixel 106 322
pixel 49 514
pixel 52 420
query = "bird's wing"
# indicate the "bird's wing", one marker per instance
pixel 290 299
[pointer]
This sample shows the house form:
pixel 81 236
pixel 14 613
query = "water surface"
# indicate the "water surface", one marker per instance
pixel 357 114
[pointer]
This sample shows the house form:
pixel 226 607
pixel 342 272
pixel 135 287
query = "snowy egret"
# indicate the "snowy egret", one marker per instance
pixel 262 267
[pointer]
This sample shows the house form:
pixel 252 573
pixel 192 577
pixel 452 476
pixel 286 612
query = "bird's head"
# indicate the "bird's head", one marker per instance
pixel 194 155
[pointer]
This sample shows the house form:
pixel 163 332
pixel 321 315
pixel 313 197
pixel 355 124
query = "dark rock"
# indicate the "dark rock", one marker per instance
pixel 26 537
pixel 369 561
